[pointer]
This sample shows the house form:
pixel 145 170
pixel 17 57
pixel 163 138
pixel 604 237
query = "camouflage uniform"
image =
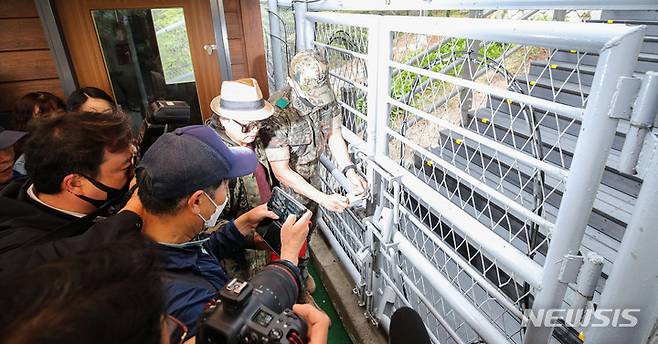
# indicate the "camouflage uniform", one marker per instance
pixel 299 129
pixel 299 134
pixel 243 196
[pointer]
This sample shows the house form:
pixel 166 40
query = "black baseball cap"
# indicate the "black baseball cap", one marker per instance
pixel 191 158
pixel 9 137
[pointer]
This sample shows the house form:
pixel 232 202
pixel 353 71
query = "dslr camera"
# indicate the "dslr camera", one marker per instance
pixel 254 312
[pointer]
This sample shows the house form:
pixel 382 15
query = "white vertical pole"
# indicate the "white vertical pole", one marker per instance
pixel 633 282
pixel 384 55
pixel 275 44
pixel 372 66
pixel 594 142
pixel 300 8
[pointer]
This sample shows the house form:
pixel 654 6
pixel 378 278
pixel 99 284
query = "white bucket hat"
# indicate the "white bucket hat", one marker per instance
pixel 241 100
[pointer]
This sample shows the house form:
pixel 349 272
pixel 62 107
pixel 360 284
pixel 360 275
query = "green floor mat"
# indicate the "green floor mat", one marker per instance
pixel 337 333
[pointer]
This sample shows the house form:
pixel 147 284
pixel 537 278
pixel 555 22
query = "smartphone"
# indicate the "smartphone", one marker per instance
pixel 282 204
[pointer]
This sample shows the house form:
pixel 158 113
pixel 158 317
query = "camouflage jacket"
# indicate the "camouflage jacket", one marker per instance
pixel 299 134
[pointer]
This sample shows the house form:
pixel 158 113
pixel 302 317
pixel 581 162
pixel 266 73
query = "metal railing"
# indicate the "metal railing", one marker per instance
pixel 479 202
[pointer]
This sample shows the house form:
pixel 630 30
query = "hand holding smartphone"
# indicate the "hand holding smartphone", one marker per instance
pixel 282 204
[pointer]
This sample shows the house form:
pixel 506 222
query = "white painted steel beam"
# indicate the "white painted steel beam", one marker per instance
pixel 450 294
pixel 403 5
pixel 495 247
pixel 342 50
pixel 633 282
pixel 340 252
pixel 503 200
pixel 596 136
pixel 591 37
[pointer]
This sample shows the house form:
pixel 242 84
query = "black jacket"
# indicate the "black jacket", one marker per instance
pixel 32 234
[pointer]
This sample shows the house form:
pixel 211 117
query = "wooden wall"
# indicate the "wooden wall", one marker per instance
pixel 26 63
pixel 245 40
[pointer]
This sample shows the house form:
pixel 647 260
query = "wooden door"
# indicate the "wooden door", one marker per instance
pixel 81 22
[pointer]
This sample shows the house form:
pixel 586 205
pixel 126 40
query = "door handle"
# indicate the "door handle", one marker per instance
pixel 209 48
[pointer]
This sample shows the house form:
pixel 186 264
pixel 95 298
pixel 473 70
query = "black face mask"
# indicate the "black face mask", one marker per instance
pixel 113 195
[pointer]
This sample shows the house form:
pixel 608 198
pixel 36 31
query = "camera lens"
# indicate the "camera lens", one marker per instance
pixel 275 284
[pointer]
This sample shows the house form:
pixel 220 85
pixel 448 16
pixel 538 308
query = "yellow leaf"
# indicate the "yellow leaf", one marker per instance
pixel 484 120
pixel 430 163
pixel 553 66
pixel 532 83
pixel 581 336
pixel 610 21
pixel 458 141
pixel 573 51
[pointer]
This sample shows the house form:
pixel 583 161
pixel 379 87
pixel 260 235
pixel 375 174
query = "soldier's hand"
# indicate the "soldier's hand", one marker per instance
pixel 248 221
pixel 335 202
pixel 293 236
pixel 358 183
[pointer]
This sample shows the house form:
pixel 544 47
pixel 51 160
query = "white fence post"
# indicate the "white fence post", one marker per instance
pixel 594 142
pixel 632 284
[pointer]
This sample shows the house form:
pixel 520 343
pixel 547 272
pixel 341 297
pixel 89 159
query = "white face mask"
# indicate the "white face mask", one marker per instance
pixel 212 221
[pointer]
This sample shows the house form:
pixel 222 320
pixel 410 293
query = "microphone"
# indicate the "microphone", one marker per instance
pixel 407 327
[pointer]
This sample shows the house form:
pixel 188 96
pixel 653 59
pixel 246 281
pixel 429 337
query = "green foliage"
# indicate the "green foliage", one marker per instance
pixel 173 44
pixel 438 59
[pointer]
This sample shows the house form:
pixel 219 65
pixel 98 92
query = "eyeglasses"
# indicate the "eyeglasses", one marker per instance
pixel 249 126
pixel 176 330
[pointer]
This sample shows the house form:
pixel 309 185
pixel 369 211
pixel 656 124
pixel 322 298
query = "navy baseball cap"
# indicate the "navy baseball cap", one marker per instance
pixel 189 159
pixel 9 137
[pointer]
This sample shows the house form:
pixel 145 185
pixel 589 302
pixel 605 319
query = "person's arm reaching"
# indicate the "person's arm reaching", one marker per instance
pixel 275 136
pixel 339 152
pixel 292 179
pixel 232 237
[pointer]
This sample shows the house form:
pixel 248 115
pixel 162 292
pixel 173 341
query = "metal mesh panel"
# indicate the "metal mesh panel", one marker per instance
pixel 412 290
pixel 447 134
pixel 449 252
pixel 345 48
pixel 347 227
pixel 285 17
pixel 474 139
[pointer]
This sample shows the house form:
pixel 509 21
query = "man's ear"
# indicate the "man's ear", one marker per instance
pixel 73 183
pixel 194 202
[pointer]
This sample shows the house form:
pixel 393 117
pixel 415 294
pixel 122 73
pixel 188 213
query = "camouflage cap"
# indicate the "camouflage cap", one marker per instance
pixel 309 72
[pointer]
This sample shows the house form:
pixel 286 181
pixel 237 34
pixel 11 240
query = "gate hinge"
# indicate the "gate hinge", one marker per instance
pixel 570 267
pixel 624 96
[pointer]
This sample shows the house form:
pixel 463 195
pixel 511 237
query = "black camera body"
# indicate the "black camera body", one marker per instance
pixel 168 112
pixel 162 116
pixel 245 314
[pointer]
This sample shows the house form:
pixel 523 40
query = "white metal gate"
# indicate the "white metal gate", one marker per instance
pixel 474 216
